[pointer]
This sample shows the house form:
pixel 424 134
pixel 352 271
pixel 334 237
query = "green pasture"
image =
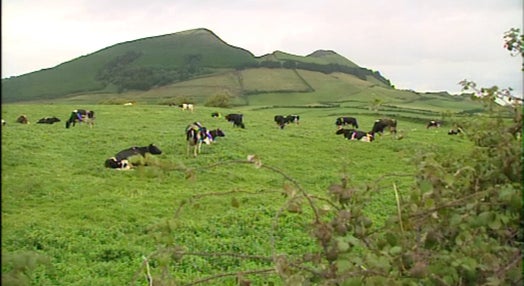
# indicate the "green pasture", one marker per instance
pixel 78 223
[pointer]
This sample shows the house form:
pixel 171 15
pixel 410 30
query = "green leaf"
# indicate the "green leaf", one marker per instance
pixel 395 250
pixel 342 245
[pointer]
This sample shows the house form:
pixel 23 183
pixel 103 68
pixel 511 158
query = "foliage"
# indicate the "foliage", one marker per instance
pixel 219 100
pixel 460 223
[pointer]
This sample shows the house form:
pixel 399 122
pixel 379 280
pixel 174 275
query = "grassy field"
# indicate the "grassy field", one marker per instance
pixel 79 223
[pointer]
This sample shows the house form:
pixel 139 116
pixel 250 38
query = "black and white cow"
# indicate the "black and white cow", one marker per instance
pixel 81 115
pixel 454 131
pixel 282 120
pixel 215 133
pixel 48 120
pixel 433 123
pixel 121 159
pixel 4 122
pixel 22 119
pixel 236 119
pixel 196 135
pixel 381 124
pixel 341 121
pixel 352 134
pixel 187 106
pixel 216 114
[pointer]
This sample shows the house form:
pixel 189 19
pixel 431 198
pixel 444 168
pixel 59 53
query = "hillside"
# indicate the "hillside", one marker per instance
pixel 146 64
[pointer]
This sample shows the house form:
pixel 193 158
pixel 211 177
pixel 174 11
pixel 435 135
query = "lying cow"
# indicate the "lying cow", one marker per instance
pixel 433 123
pixel 48 120
pixel 22 119
pixel 196 135
pixel 187 106
pixel 121 159
pixel 236 119
pixel 381 124
pixel 454 131
pixel 216 115
pixel 81 115
pixel 352 134
pixel 342 121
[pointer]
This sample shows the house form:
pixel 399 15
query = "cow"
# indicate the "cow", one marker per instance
pixel 187 106
pixel 22 119
pixel 433 123
pixel 81 115
pixel 454 131
pixel 196 134
pixel 4 122
pixel 128 104
pixel 215 133
pixel 236 119
pixel 48 120
pixel 216 115
pixel 121 159
pixel 341 121
pixel 352 134
pixel 381 124
pixel 281 120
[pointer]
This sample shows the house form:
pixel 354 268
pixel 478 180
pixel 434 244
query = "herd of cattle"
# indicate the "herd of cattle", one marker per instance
pixel 196 134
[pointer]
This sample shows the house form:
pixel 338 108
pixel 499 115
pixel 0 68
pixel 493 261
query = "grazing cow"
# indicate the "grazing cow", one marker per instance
pixel 381 124
pixel 216 115
pixel 196 134
pixel 22 119
pixel 187 106
pixel 433 123
pixel 4 122
pixel 48 120
pixel 236 119
pixel 215 133
pixel 346 121
pixel 113 163
pixel 81 115
pixel 454 131
pixel 132 151
pixel 352 134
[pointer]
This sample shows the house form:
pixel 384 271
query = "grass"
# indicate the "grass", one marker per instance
pixel 94 224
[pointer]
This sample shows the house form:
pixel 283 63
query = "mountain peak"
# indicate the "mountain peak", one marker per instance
pixel 322 53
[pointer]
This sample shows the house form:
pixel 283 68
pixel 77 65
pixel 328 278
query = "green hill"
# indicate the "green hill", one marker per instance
pixel 149 63
pixel 195 65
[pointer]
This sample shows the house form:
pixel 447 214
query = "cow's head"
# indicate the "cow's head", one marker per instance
pixel 153 149
pixel 220 133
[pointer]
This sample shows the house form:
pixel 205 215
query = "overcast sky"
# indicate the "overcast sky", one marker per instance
pixel 424 45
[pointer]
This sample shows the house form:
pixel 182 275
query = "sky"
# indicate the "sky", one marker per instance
pixel 422 45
